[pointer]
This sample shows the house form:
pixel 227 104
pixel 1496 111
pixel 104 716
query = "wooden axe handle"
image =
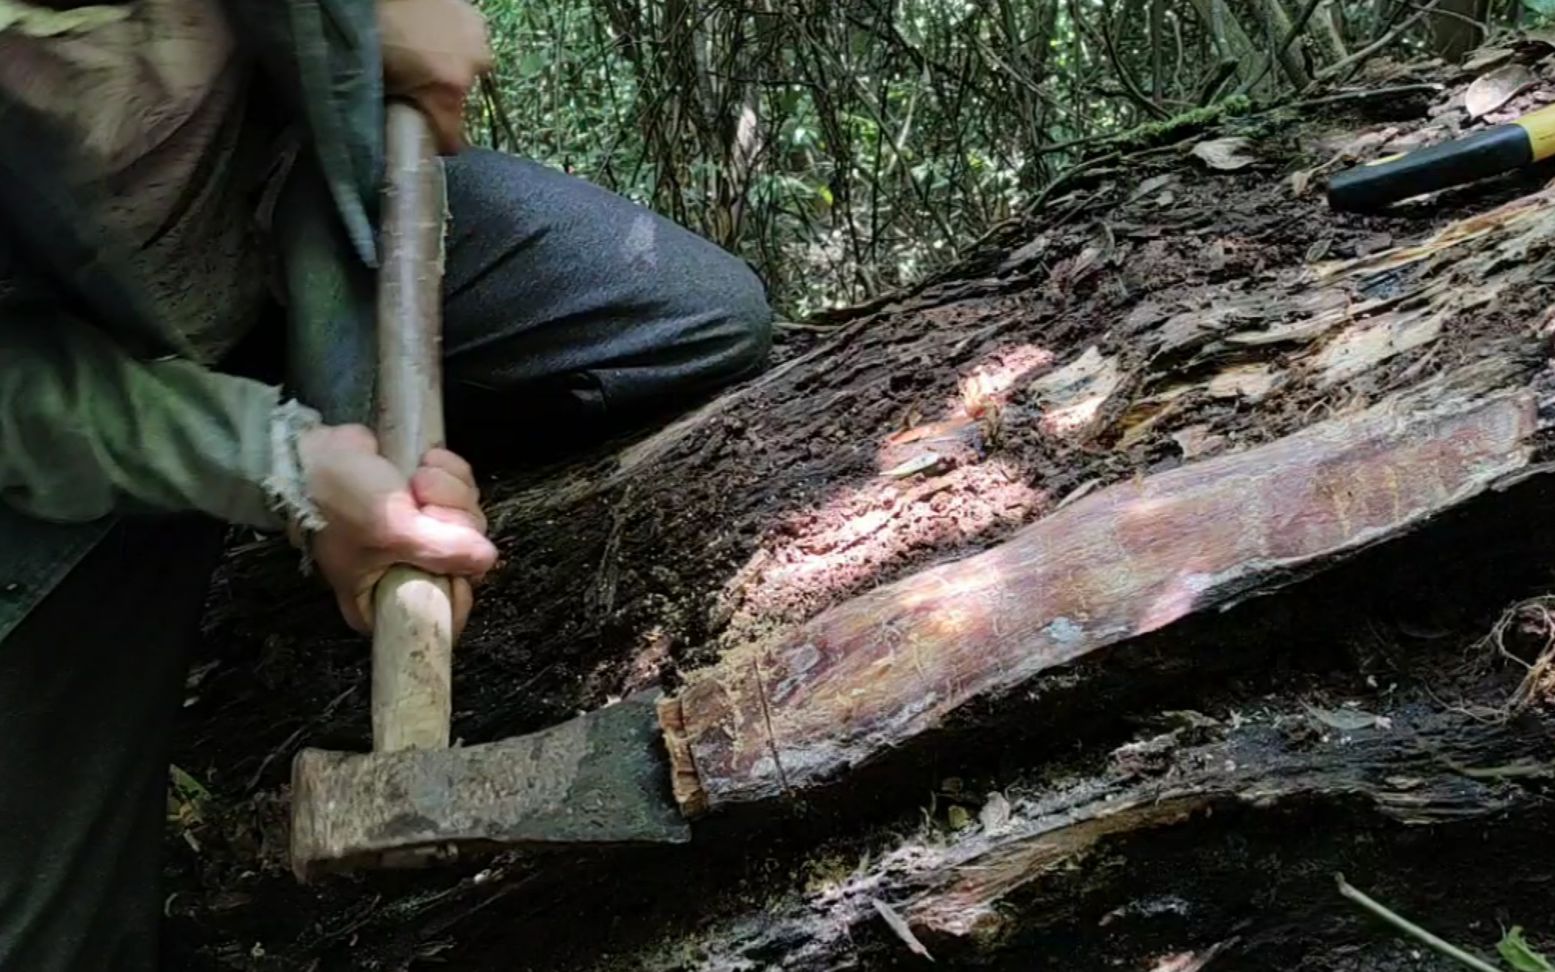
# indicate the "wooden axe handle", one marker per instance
pixel 413 620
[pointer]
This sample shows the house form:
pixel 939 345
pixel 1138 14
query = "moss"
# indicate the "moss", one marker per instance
pixel 1157 132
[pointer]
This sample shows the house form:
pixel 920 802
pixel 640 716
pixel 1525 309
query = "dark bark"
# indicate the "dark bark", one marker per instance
pixel 1213 839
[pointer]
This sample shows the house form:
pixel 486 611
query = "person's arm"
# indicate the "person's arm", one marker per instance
pixel 86 430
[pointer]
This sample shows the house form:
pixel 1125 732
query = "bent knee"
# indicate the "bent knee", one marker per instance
pixel 749 319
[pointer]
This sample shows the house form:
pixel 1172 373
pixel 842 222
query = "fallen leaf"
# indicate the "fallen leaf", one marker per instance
pixel 1517 953
pixel 957 817
pixel 1491 91
pixel 898 924
pixel 1299 181
pixel 1487 57
pixel 1151 184
pixel 1225 154
pixel 995 815
pixel 1346 720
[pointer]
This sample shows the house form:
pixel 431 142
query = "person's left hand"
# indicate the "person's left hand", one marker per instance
pixel 433 53
pixel 375 519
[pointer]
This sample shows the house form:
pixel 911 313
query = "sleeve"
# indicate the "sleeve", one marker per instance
pixel 87 430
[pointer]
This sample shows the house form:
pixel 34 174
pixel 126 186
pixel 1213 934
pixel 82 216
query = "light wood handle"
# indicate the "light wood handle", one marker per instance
pixel 413 622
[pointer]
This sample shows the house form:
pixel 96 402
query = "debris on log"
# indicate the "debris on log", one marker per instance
pixel 1002 519
pixel 1081 874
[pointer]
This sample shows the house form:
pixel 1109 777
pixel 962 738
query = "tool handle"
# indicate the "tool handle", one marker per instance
pixel 1478 156
pixel 413 610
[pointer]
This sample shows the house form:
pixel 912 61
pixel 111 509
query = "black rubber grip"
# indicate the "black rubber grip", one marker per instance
pixel 1478 156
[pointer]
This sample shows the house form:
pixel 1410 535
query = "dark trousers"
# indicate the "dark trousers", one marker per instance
pixel 565 306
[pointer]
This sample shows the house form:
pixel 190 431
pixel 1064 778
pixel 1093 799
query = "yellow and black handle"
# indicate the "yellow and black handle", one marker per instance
pixel 1493 151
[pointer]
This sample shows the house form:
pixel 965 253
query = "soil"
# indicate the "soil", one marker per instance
pixel 911 431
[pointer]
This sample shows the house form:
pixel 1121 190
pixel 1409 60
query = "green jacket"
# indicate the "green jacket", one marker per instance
pixel 98 414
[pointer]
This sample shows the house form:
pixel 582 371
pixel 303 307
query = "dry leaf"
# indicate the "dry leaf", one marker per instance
pixel 1491 91
pixel 1152 184
pixel 1225 154
pixel 898 924
pixel 1348 720
pixel 1487 57
pixel 996 813
pixel 1299 181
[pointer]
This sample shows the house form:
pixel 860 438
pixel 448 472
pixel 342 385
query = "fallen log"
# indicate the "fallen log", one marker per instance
pixel 1201 842
pixel 787 551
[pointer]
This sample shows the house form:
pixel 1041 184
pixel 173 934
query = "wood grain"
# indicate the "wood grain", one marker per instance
pixel 413 625
pixel 874 672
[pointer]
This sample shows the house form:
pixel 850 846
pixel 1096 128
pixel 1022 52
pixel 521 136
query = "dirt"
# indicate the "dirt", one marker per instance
pixel 930 425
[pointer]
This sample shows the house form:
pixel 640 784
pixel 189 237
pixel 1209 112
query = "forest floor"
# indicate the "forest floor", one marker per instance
pixel 1076 348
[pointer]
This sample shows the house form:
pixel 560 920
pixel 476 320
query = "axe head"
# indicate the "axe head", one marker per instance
pixel 602 778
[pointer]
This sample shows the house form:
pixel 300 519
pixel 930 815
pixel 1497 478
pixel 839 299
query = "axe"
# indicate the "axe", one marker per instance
pixel 602 778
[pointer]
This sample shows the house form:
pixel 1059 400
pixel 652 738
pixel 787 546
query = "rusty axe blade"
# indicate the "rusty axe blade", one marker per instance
pixel 602 778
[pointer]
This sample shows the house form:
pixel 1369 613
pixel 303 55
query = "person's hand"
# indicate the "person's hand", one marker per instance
pixel 433 52
pixel 374 519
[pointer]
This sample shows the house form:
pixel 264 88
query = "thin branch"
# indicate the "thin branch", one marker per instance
pixel 1129 87
pixel 1413 930
pixel 1354 61
pixel 499 112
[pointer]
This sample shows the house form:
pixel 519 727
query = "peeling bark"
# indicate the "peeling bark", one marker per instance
pixel 1049 860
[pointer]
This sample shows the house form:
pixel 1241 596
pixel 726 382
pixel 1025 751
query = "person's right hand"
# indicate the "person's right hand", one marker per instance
pixel 374 519
pixel 433 52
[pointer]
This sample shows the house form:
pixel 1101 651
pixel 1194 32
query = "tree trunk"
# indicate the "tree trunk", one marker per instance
pixel 1276 22
pixel 1231 40
pixel 1002 532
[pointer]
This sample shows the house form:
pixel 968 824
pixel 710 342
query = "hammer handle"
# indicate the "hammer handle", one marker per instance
pixel 413 622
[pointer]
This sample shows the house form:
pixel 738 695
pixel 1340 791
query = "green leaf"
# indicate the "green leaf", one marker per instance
pixel 1517 953
pixel 1544 8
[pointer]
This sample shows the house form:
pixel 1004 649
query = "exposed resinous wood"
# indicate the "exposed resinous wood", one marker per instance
pixel 874 672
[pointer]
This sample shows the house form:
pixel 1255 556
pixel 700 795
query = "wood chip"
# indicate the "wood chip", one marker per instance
pixel 898 924
pixel 1224 154
pixel 1491 91
pixel 1197 440
pixel 923 463
pixel 1249 381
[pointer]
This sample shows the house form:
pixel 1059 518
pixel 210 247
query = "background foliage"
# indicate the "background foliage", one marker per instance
pixel 846 146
